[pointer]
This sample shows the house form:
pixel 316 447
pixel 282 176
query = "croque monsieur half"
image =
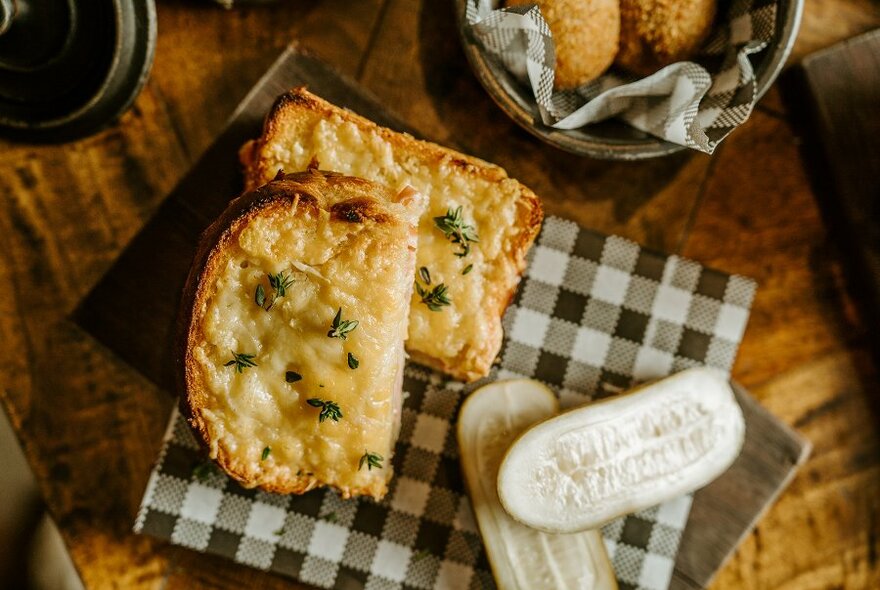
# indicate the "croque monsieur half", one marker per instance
pixel 292 328
pixel 473 237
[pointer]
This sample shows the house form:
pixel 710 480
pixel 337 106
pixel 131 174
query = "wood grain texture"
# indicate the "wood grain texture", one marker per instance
pixel 804 357
pixel 843 140
pixel 826 22
pixel 759 218
pixel 726 511
pixel 68 210
pixel 824 530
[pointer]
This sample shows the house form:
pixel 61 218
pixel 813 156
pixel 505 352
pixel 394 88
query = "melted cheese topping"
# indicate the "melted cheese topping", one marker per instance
pixel 464 337
pixel 333 264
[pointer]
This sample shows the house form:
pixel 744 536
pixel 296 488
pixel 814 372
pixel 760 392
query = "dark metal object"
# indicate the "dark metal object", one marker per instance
pixel 612 139
pixel 7 12
pixel 70 67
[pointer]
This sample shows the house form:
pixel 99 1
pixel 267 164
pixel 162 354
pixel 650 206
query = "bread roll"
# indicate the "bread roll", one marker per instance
pixel 291 334
pixel 656 33
pixel 585 33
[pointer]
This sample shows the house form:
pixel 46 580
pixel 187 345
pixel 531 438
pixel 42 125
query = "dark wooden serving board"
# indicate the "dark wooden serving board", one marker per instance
pixel 132 311
pixel 843 83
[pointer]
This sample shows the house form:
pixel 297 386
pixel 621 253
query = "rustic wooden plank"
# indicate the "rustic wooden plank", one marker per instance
pixel 726 511
pixel 204 80
pixel 418 69
pixel 132 311
pixel 200 79
pixel 87 427
pixel 842 143
pixel 759 218
pixel 826 22
pixel 824 532
pixel 211 572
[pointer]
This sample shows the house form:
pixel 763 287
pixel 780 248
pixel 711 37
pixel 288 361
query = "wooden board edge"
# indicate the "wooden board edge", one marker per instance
pixel 800 448
pixel 805 446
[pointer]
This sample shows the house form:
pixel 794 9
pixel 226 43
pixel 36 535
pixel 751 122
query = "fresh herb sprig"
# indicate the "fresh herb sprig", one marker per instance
pixel 420 555
pixel 204 470
pixel 279 285
pixel 371 460
pixel 341 328
pixel 329 410
pixel 241 361
pixel 457 231
pixel 434 298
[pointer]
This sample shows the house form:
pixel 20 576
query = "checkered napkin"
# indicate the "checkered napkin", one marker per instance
pixel 592 315
pixel 685 103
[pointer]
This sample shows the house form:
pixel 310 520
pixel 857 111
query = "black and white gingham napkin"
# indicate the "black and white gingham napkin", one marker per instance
pixel 592 315
pixel 685 103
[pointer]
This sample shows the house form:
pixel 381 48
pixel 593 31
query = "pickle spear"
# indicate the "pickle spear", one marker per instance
pixel 521 557
pixel 594 463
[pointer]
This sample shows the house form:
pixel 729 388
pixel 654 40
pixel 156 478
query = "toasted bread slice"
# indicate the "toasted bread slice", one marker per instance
pixel 464 337
pixel 284 390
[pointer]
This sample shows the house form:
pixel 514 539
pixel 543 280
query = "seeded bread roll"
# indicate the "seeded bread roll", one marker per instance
pixel 656 33
pixel 291 334
pixel 585 34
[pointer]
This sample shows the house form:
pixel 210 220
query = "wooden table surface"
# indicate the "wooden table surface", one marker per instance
pixel 91 426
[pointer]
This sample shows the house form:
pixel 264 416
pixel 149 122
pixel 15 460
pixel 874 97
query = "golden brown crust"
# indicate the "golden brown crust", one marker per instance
pixel 585 35
pixel 301 191
pixel 656 33
pixel 474 360
pixel 287 105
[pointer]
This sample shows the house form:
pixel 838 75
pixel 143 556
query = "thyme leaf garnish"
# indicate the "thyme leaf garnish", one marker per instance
pixel 329 409
pixel 241 361
pixel 457 231
pixel 353 362
pixel 434 298
pixel 467 269
pixel 292 377
pixel 279 284
pixel 371 460
pixel 265 454
pixel 204 470
pixel 425 274
pixel 420 555
pixel 341 328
